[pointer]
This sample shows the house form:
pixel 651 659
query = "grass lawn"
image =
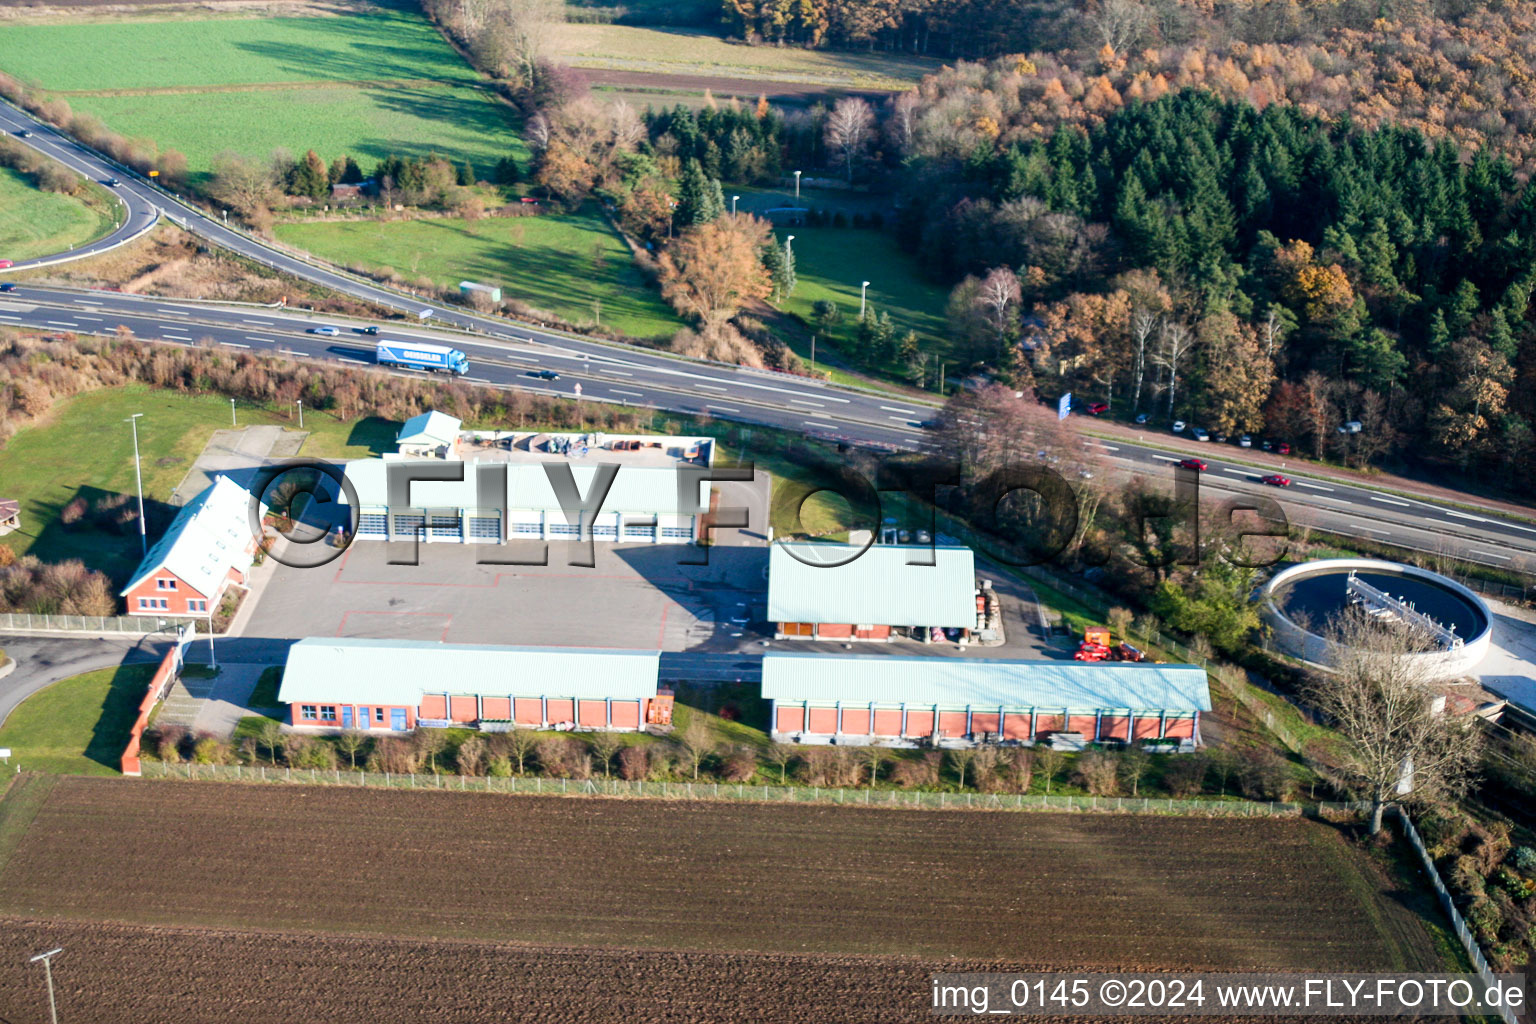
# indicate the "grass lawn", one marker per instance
pixel 84 448
pixel 685 51
pixel 162 54
pixel 78 726
pixel 369 85
pixel 549 262
pixel 38 223
pixel 830 263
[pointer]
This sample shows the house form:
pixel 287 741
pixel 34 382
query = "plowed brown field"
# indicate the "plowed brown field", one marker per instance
pixel 698 911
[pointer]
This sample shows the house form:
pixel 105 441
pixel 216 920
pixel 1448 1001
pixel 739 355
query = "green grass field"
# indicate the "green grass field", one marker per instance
pixel 78 726
pixel 84 448
pixel 830 263
pixel 37 223
pixel 548 262
pixel 685 51
pixel 252 85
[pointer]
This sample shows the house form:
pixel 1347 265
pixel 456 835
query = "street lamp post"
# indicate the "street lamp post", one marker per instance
pixel 797 186
pixel 301 414
pixel 47 959
pixel 813 355
pixel 733 205
pixel 138 477
pixel 232 421
pixel 788 241
pixel 863 296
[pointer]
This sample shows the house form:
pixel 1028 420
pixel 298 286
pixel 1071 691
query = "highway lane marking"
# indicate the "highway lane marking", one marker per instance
pixel 892 408
pixel 1240 472
pixel 1488 554
pixel 261 323
pixel 1389 501
pixel 254 337
pixel 722 408
pixel 824 414
pixel 1166 458
pixel 172 312
pixel 711 387
pixel 172 327
pixel 1463 515
pixel 479 380
pixel 83 317
pixel 234 344
pixel 903 421
pixel 618 391
pixel 617 373
pixel 1315 487
pixel 801 401
pixel 359 362
pixel 61 323
pixel 4 317
pixel 1368 529
pixel 1107 447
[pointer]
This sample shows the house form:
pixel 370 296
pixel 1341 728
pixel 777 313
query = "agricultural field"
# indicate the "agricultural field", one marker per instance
pixel 569 265
pixel 1036 889
pixel 37 223
pixel 368 84
pixel 47 467
pixel 701 52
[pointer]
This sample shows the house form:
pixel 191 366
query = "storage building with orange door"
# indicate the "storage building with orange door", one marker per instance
pixel 851 592
pixel 397 685
pixel 907 701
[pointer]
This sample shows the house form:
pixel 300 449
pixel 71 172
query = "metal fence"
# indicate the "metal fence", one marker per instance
pixel 23 621
pixel 1468 940
pixel 742 792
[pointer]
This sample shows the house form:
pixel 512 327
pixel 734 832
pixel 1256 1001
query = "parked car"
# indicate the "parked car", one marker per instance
pixel 1284 448
pixel 329 332
pixel 1221 438
pixel 1198 465
pixel 1245 441
pixel 1098 407
pixel 7 287
pixel 1141 417
pixel 1275 480
pixel 1200 434
pixel 544 374
pixel 1268 446
pixel 1178 426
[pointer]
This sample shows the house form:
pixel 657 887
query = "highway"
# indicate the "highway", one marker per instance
pixel 507 354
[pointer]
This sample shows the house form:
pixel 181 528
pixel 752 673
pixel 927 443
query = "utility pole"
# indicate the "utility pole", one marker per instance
pixel 138 477
pixel 47 959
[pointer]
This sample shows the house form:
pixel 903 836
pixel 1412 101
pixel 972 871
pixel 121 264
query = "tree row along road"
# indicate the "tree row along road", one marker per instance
pixel 505 354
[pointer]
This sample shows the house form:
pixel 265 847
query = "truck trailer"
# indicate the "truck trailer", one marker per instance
pixel 415 356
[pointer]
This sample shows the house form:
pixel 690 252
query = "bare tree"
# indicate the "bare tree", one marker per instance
pixel 270 735
pixel 516 35
pixel 605 745
pixel 1021 768
pixel 901 122
pixel 999 296
pixel 241 183
pixel 1048 762
pixel 1119 23
pixel 874 756
pixel 850 127
pixel 520 746
pixel 695 742
pixel 1143 323
pixel 779 755
pixel 1177 341
pixel 960 759
pixel 1381 696
pixel 1134 765
pixel 350 742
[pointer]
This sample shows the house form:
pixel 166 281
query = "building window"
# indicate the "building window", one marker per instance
pixel 165 584
pixel 307 712
pixel 195 605
pixel 327 712
pixel 143 604
pixel 378 714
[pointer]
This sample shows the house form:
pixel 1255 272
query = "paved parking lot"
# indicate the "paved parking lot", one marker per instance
pixel 635 596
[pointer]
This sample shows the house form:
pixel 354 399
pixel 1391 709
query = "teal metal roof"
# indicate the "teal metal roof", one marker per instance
pixel 361 671
pixel 878 587
pixel 926 681
pixel 429 428
pixel 207 538
pixel 642 490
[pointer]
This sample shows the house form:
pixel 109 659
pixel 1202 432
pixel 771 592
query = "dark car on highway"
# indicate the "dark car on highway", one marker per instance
pixel 544 374
pixel 366 330
pixel 7 287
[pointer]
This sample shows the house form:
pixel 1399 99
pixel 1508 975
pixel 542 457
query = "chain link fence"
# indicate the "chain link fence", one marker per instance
pixel 742 792
pixel 24 621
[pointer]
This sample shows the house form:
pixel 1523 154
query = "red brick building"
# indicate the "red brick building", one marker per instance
pixel 400 684
pixel 847 592
pixel 862 699
pixel 207 549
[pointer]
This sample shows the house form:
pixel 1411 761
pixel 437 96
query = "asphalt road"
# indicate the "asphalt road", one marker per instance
pixel 506 354
pixel 43 661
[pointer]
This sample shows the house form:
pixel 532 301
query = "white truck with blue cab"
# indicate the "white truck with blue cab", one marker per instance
pixel 419 356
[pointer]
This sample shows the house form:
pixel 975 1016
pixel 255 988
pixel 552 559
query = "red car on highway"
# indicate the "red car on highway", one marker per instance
pixel 6 263
pixel 1275 480
pixel 1198 465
